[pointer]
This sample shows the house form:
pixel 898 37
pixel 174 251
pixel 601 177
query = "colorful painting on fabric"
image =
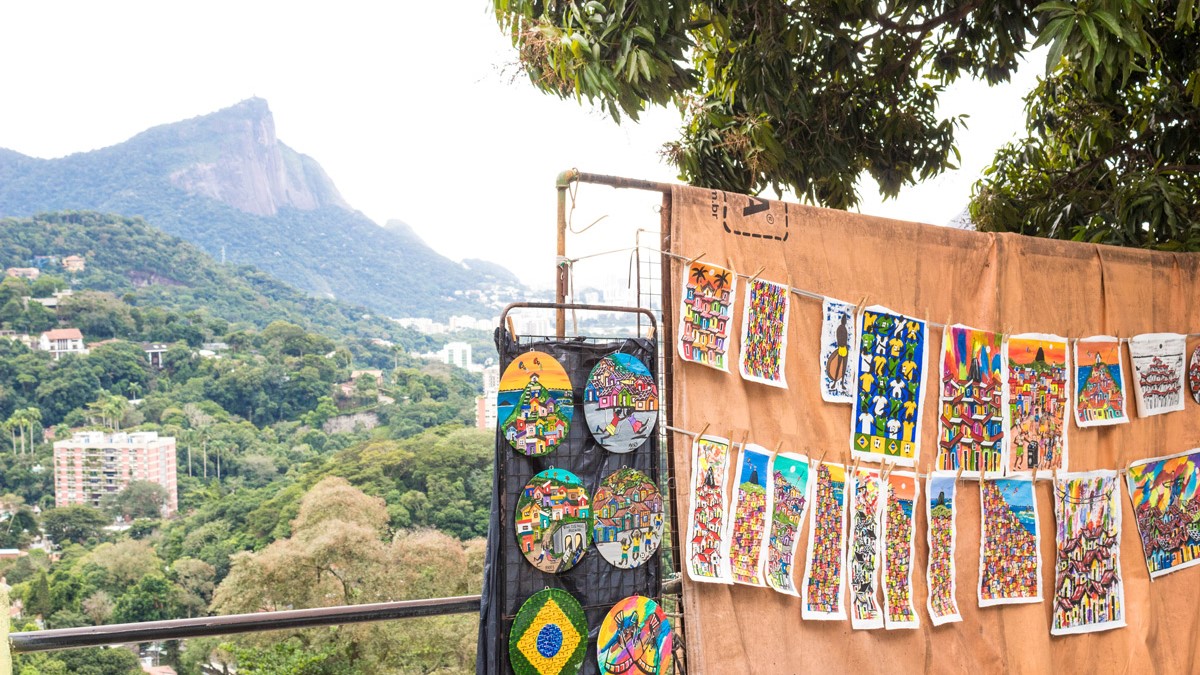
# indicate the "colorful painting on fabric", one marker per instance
pixel 1009 560
pixel 627 512
pixel 620 402
pixel 706 315
pixel 941 490
pixel 789 503
pixel 706 560
pixel 825 575
pixel 635 638
pixel 1088 593
pixel 971 419
pixel 899 533
pixel 1037 398
pixel 1099 383
pixel 862 557
pixel 1194 374
pixel 1163 494
pixel 891 380
pixel 535 404
pixel 839 348
pixel 1158 372
pixel 764 333
pixel 749 516
pixel 549 635
pixel 554 521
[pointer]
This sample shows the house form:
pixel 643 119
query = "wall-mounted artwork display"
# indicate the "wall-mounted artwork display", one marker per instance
pixel 862 556
pixel 549 635
pixel 706 314
pixel 1037 398
pixel 971 414
pixel 763 356
pixel 789 502
pixel 535 404
pixel 1163 494
pixel 899 534
pixel 1100 397
pixel 635 637
pixel 839 349
pixel 1009 561
pixel 706 542
pixel 620 402
pixel 1158 372
pixel 1088 593
pixel 627 512
pixel 554 521
pixel 941 493
pixel 825 575
pixel 750 504
pixel 888 397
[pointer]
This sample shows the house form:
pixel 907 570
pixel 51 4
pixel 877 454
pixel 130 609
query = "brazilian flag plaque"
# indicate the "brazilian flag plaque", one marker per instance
pixel 549 635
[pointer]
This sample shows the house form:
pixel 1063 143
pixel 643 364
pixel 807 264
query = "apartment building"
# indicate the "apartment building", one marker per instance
pixel 93 464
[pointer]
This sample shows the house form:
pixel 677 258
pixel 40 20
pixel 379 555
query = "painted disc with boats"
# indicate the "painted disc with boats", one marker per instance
pixel 535 404
pixel 620 402
pixel 554 521
pixel 627 515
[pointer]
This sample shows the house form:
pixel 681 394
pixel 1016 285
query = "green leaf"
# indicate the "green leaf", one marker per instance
pixel 1089 32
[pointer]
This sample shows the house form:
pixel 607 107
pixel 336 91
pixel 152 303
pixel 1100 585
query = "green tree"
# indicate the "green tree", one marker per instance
pixel 37 601
pixel 152 598
pixel 76 523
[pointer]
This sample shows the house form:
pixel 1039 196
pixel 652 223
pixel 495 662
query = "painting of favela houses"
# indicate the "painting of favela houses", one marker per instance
pixel 1010 564
pixel 1162 492
pixel 706 531
pixel 535 404
pixel 620 402
pixel 971 423
pixel 706 315
pixel 554 521
pixel 1158 372
pixel 1036 399
pixel 628 518
pixel 790 488
pixel 1099 383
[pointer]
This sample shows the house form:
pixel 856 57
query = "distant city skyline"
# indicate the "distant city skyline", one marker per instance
pixel 414 110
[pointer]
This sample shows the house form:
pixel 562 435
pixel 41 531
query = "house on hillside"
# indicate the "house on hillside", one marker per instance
pixel 74 263
pixel 155 352
pixel 62 341
pixel 30 273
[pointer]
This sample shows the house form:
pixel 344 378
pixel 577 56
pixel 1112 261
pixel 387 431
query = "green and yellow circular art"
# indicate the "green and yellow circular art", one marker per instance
pixel 535 404
pixel 549 635
pixel 554 521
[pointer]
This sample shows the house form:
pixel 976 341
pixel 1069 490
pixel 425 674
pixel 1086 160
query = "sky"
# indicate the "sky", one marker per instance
pixel 414 110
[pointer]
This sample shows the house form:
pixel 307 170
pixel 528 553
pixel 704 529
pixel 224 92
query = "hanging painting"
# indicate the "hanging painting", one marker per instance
pixel 627 515
pixel 620 402
pixel 1158 372
pixel 764 333
pixel 1165 505
pixel 554 521
pixel 1088 593
pixel 535 404
pixel 825 575
pixel 706 540
pixel 941 488
pixel 1099 383
pixel 635 637
pixel 1036 398
pixel 549 635
pixel 891 380
pixel 706 315
pixel 749 515
pixel 1009 560
pixel 839 348
pixel 899 534
pixel 971 419
pixel 1194 374
pixel 862 557
pixel 789 503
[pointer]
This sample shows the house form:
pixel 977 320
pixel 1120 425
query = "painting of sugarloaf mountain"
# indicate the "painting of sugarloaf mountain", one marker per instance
pixel 535 404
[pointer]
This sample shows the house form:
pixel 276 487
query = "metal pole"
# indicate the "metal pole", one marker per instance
pixel 561 268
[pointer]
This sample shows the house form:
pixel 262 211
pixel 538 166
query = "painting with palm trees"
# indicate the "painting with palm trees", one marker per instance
pixel 706 315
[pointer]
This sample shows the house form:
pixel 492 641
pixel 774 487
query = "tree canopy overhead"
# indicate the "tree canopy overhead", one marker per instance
pixel 810 95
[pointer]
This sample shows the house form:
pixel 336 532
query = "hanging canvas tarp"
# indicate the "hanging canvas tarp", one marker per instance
pixel 838 351
pixel 1162 492
pixel 1100 397
pixel 1037 397
pixel 763 356
pixel 789 502
pixel 1088 593
pixel 706 315
pixel 888 398
pixel 941 494
pixel 862 556
pixel 971 414
pixel 1158 372
pixel 706 536
pixel 899 534
pixel 825 574
pixel 1010 564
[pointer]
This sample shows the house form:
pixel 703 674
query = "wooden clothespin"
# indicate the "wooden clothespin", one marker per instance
pixel 1035 470
pixel 652 330
pixel 1054 474
pixel 861 304
pixel 692 260
pixel 775 452
pixel 958 476
pixel 789 281
pixel 702 430
pixel 511 331
pixel 755 275
pixel 823 453
pixel 886 471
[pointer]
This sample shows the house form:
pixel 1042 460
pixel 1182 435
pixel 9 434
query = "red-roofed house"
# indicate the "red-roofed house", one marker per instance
pixel 62 341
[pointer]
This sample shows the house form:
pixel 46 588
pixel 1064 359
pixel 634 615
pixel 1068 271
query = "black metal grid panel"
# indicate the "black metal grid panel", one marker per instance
pixel 510 579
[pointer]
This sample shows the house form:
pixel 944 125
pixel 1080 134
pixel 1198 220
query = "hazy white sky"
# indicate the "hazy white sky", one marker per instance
pixel 412 109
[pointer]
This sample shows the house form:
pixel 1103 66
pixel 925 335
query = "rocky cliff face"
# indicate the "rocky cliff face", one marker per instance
pixel 244 164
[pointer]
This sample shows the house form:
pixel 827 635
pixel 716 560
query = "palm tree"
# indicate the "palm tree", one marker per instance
pixel 722 280
pixel 18 421
pixel 10 425
pixel 33 415
pixel 115 406
pixel 698 274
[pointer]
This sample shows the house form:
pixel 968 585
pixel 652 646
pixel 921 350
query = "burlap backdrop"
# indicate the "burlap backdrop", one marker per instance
pixel 998 282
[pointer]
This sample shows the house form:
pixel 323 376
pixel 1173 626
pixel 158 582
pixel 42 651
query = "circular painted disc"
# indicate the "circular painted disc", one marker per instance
pixel 549 635
pixel 554 521
pixel 627 514
pixel 535 404
pixel 620 402
pixel 635 638
pixel 1194 374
